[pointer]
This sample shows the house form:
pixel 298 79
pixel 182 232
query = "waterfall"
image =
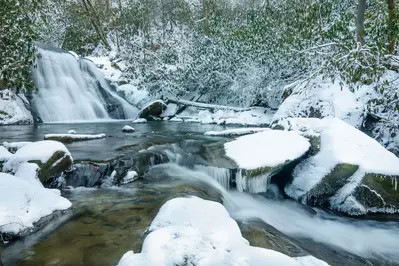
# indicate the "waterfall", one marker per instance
pixel 71 89
pixel 221 175
pixel 256 184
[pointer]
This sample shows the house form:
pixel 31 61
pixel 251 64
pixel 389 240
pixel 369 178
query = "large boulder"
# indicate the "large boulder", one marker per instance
pixel 14 109
pixel 348 171
pixel 52 157
pixel 262 155
pixel 153 110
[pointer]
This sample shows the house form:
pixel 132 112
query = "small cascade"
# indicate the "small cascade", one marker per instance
pixel 221 175
pixel 256 184
pixel 74 90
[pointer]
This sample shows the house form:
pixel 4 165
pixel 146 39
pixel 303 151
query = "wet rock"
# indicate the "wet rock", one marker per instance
pixel 86 175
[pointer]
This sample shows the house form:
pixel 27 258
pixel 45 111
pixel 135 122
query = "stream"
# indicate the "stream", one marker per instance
pixel 104 223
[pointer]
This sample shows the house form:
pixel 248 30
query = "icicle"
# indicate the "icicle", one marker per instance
pixel 257 184
pixel 396 183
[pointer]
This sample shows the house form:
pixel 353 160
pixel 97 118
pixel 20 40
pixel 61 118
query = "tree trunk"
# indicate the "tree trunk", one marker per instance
pixel 205 4
pixel 360 21
pixel 392 26
pixel 95 21
pixel 108 4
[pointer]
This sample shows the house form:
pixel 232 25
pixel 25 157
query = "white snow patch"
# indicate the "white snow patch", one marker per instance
pixel 176 119
pixel 266 149
pixel 192 231
pixel 134 95
pixel 28 172
pixel 75 136
pixel 139 121
pixel 127 128
pixel 130 177
pixel 5 155
pixel 105 66
pixel 170 110
pixel 22 203
pixel 323 98
pixel 236 131
pixel 71 131
pixel 13 146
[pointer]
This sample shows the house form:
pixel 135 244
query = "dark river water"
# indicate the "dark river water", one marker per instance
pixel 105 223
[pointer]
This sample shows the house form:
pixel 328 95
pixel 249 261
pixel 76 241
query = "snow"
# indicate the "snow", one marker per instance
pixel 104 64
pixel 236 131
pixel 35 151
pixel 266 149
pixel 193 231
pixel 5 155
pixel 71 131
pixel 253 117
pixel 134 95
pixel 13 146
pixel 23 203
pixel 13 110
pixel 139 120
pixel 127 128
pixel 176 119
pixel 130 177
pixel 75 137
pixel 28 172
pixel 340 143
pixel 74 54
pixel 170 110
pixel 326 99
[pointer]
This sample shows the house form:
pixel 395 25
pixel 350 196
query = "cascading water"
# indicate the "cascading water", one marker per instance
pixel 74 90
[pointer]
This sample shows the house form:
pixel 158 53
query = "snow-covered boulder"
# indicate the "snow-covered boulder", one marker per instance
pixel 260 156
pixel 153 110
pixel 14 146
pixel 350 172
pixel 71 131
pixel 170 110
pixel 67 138
pixel 5 155
pixel 128 129
pixel 236 131
pixel 24 204
pixel 320 98
pixel 52 157
pixel 13 110
pixel 193 231
pixel 139 121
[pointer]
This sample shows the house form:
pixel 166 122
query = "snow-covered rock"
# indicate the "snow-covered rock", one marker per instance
pixel 236 131
pixel 134 95
pixel 13 110
pixel 320 98
pixel 260 156
pixel 73 137
pixel 131 176
pixel 193 231
pixel 128 129
pixel 71 131
pixel 106 67
pixel 22 204
pixel 14 146
pixel 52 157
pixel 176 119
pixel 153 110
pixel 5 155
pixel 349 172
pixel 139 121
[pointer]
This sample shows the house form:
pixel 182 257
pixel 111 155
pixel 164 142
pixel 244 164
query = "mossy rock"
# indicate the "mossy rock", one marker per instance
pixel 382 185
pixel 58 163
pixel 216 155
pixel 330 184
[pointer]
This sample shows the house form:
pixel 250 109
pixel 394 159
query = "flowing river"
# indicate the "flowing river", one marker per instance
pixel 104 223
